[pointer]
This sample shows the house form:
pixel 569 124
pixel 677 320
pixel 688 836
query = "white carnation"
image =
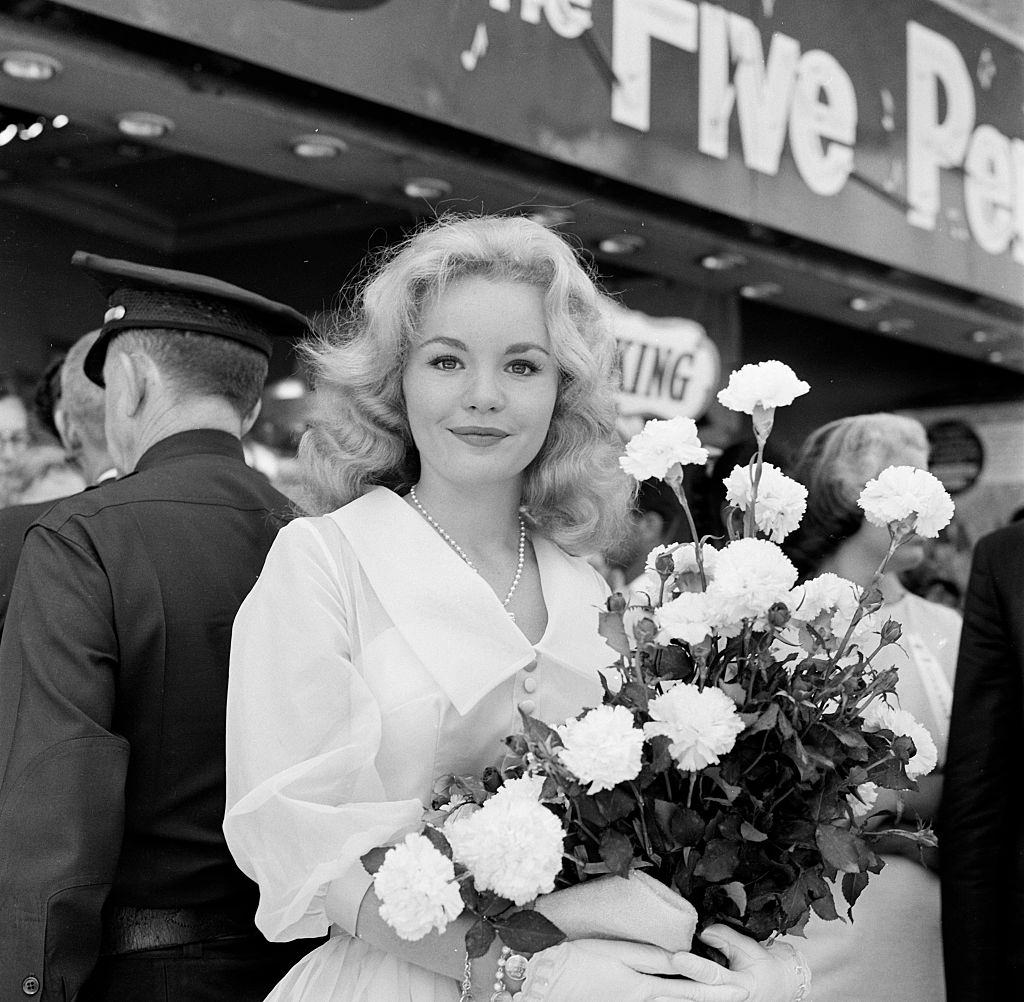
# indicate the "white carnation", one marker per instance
pixel 781 501
pixel 862 800
pixel 701 723
pixel 602 748
pixel 513 844
pixel 826 605
pixel 906 494
pixel 750 577
pixel 881 716
pixel 764 384
pixel 688 618
pixel 417 889
pixel 662 444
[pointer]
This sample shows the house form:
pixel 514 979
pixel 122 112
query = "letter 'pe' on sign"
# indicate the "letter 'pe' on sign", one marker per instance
pixel 668 366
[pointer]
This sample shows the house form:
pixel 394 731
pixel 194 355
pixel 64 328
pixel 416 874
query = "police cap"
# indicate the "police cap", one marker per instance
pixel 141 297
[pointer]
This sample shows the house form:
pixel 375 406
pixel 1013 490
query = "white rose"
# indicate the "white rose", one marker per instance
pixel 687 618
pixel 862 800
pixel 750 577
pixel 603 747
pixel 661 445
pixel 701 723
pixel 417 889
pixel 764 384
pixel 512 845
pixel 905 494
pixel 781 501
pixel 881 716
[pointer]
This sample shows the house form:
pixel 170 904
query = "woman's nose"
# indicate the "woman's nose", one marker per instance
pixel 483 392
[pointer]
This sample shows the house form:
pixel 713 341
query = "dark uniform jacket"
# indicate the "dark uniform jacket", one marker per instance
pixel 14 523
pixel 113 681
pixel 981 821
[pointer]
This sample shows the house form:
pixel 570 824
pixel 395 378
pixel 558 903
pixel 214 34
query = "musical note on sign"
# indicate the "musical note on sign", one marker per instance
pixel 477 49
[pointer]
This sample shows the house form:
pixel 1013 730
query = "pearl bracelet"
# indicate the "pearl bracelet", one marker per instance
pixel 799 966
pixel 511 968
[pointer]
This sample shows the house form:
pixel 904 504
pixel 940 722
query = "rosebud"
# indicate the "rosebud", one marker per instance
pixel 778 615
pixel 616 603
pixel 891 632
pixel 664 565
pixel 645 630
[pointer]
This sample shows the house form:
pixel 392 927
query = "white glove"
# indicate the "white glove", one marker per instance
pixel 639 909
pixel 775 974
pixel 600 970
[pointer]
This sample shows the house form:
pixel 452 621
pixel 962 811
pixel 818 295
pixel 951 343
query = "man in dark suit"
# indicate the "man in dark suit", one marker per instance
pixel 76 413
pixel 115 880
pixel 981 821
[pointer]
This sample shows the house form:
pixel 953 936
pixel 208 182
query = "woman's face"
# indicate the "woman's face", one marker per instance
pixel 13 433
pixel 481 383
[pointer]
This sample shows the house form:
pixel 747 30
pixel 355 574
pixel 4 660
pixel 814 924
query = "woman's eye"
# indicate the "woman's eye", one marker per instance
pixel 447 363
pixel 523 367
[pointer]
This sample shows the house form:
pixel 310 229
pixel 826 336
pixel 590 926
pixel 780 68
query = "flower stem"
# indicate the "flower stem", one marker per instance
pixel 675 481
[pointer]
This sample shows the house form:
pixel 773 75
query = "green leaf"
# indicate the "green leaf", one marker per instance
pixel 853 884
pixel 751 834
pixel 687 826
pixel 615 849
pixel 841 848
pixel 766 721
pixel 479 937
pixel 372 860
pixel 436 838
pixel 609 625
pixel 737 895
pixel 719 861
pixel 615 803
pixel 536 730
pixel 528 931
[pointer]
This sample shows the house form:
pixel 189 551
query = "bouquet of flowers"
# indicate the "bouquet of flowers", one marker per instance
pixel 742 738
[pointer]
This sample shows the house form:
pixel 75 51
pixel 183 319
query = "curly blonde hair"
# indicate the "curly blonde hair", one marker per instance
pixel 834 463
pixel 573 491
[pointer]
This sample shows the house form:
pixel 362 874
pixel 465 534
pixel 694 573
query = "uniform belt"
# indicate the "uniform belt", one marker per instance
pixel 127 929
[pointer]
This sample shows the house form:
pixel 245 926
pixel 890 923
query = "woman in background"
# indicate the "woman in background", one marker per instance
pixel 895 938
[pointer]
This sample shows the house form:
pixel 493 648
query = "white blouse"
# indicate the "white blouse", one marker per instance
pixel 368 661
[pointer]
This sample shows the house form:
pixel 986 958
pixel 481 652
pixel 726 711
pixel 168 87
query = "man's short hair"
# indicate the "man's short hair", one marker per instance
pixel 203 365
pixel 80 398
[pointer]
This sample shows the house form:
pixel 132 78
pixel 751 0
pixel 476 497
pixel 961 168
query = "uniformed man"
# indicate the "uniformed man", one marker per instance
pixel 115 881
pixel 76 415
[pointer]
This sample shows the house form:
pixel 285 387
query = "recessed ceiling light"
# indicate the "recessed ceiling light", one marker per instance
pixel 868 304
pixel 317 147
pixel 59 121
pixel 32 131
pixel 144 125
pixel 995 357
pixel 897 325
pixel 622 243
pixel 760 290
pixel 722 261
pixel 32 66
pixel 7 133
pixel 426 187
pixel 551 216
pixel 287 389
pixel 986 335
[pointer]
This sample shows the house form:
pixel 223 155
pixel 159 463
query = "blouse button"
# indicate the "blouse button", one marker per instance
pixel 528 706
pixel 530 684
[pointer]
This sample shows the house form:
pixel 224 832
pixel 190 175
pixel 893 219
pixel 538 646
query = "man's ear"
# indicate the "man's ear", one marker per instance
pixel 138 380
pixel 651 528
pixel 248 420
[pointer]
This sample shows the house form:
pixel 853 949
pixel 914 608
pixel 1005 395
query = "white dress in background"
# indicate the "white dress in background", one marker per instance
pixel 893 948
pixel 369 660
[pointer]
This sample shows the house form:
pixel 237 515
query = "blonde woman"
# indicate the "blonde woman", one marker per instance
pixel 463 450
pixel 893 947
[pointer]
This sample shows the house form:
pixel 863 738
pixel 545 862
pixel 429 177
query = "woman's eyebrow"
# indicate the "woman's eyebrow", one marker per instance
pixel 450 342
pixel 521 346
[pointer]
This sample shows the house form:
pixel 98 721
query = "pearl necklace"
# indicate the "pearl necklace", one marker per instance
pixel 462 553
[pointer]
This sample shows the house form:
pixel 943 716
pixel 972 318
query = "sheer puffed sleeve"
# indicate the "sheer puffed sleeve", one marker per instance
pixel 304 796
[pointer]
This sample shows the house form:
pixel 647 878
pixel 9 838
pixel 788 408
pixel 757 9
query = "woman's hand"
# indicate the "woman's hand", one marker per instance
pixel 638 909
pixel 768 975
pixel 599 970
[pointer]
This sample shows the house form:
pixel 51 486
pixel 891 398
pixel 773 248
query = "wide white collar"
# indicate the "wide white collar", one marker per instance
pixel 449 615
